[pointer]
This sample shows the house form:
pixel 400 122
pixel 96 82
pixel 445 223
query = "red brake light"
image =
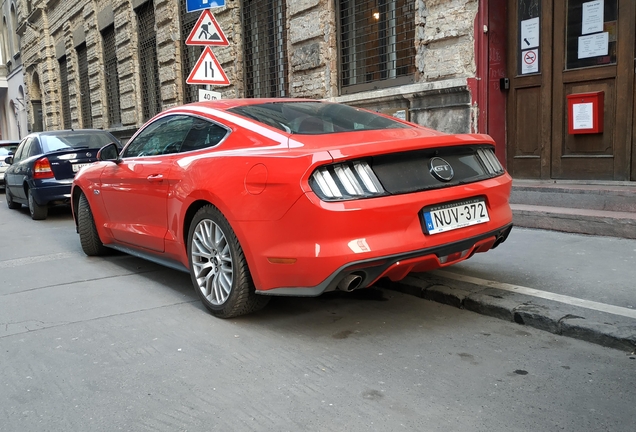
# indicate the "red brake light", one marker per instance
pixel 42 169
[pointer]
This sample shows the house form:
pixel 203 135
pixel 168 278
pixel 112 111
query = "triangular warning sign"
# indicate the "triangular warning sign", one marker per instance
pixel 207 70
pixel 207 31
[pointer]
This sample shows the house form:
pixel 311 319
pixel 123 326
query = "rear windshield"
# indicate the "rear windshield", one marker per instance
pixel 88 140
pixel 314 118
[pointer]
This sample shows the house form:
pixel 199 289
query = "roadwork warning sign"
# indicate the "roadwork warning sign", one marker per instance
pixel 207 31
pixel 207 70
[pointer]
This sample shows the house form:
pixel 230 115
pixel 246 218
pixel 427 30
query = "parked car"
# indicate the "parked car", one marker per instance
pixel 7 148
pixel 261 197
pixel 41 171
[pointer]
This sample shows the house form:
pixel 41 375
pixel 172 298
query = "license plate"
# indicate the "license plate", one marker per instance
pixel 448 217
pixel 77 167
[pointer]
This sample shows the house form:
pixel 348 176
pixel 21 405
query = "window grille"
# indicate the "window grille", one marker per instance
pixel 265 49
pixel 148 64
pixel 377 46
pixel 189 54
pixel 112 77
pixel 85 91
pixel 66 105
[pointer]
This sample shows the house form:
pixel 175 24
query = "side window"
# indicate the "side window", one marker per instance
pixel 164 136
pixel 20 150
pixel 34 148
pixel 202 135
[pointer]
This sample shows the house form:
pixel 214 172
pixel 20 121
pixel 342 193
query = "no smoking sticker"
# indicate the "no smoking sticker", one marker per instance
pixel 529 61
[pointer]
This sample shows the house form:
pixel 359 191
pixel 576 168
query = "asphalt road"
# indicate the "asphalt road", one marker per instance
pixel 117 343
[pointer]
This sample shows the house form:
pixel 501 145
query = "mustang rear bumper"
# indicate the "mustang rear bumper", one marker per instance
pixel 396 267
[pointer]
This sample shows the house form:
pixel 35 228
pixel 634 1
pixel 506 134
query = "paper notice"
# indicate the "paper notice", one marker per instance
pixel 582 116
pixel 593 45
pixel 592 21
pixel 530 33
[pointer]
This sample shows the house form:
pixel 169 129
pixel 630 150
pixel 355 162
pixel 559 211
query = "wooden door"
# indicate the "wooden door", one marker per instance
pixel 529 116
pixel 593 52
pixel 580 46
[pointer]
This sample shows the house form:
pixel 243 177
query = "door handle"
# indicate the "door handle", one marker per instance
pixel 155 178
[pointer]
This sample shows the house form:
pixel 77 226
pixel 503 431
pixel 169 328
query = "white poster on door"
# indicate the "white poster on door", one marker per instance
pixel 592 21
pixel 594 45
pixel 530 33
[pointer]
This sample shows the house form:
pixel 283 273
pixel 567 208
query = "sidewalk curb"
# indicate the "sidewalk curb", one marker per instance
pixel 565 320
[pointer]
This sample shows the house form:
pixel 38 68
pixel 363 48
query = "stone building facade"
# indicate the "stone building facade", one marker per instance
pixel 300 48
pixel 13 113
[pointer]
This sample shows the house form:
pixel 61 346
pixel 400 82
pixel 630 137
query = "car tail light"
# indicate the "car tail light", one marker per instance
pixel 490 161
pixel 345 181
pixel 42 169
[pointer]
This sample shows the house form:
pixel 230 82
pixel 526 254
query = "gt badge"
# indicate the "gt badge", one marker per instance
pixel 440 169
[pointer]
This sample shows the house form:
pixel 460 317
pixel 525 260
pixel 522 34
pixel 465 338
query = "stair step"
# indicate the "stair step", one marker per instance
pixel 618 197
pixel 576 220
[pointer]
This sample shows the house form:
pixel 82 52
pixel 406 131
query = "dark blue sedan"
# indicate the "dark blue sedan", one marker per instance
pixel 41 171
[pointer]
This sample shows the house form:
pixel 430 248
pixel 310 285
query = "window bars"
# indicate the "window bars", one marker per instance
pixel 265 48
pixel 112 77
pixel 376 41
pixel 66 105
pixel 148 64
pixel 84 87
pixel 189 54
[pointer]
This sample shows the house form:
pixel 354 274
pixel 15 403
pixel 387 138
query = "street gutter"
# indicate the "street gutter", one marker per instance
pixel 606 325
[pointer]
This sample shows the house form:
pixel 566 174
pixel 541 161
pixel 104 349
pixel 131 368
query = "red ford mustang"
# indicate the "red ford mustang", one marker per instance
pixel 261 197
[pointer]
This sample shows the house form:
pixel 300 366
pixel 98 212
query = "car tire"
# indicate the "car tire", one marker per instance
pixel 89 239
pixel 10 203
pixel 37 211
pixel 218 267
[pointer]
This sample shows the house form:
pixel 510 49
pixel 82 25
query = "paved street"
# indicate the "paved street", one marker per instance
pixel 117 343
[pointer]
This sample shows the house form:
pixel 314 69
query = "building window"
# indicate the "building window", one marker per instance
pixel 148 64
pixel 265 48
pixel 376 42
pixel 112 76
pixel 66 106
pixel 84 87
pixel 6 56
pixel 16 38
pixel 189 54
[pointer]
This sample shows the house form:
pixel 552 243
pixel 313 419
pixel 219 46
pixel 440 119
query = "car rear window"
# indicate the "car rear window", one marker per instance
pixel 315 118
pixel 75 140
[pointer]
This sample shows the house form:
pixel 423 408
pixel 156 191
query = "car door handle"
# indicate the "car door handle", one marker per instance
pixel 155 178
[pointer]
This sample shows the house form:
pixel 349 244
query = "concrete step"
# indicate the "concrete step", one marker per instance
pixel 576 220
pixel 585 207
pixel 611 196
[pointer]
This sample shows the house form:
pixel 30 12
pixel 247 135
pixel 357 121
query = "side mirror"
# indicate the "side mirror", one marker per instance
pixel 110 153
pixel 8 160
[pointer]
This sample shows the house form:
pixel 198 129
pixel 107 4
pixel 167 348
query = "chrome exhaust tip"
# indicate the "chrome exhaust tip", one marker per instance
pixel 350 282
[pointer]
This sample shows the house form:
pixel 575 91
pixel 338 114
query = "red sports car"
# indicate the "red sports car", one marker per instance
pixel 262 197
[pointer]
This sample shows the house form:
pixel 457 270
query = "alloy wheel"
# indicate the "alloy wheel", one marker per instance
pixel 212 262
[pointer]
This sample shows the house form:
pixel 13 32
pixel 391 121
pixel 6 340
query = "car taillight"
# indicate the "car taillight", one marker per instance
pixel 345 181
pixel 42 169
pixel 490 161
